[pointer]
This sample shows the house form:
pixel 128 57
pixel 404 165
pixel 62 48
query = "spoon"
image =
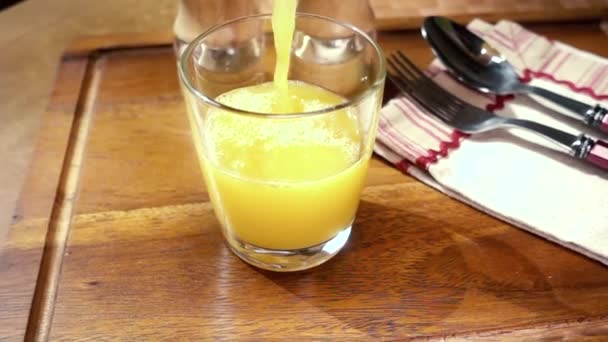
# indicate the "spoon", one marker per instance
pixel 477 64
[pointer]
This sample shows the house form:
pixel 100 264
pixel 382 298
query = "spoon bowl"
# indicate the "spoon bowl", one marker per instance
pixel 472 60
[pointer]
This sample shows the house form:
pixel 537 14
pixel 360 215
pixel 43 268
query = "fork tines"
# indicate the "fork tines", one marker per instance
pixel 415 83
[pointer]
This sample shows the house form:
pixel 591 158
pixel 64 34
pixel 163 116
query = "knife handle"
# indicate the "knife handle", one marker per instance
pixel 594 116
pixel 604 122
pixel 598 155
pixel 597 117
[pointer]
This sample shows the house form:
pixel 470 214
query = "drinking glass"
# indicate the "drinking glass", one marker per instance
pixel 269 217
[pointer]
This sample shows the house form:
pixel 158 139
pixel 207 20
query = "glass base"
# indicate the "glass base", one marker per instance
pixel 289 260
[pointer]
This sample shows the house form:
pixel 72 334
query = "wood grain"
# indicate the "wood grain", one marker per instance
pixel 43 302
pixel 85 45
pixel 417 265
pixel 21 255
pixel 587 330
pixel 26 82
pixel 144 257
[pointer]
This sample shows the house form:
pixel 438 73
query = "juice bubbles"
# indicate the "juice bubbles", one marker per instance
pixel 282 183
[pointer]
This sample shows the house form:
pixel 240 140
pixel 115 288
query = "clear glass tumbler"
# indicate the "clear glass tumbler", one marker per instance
pixel 282 191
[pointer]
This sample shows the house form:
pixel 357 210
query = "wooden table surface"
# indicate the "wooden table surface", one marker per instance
pixel 34 34
pixel 114 237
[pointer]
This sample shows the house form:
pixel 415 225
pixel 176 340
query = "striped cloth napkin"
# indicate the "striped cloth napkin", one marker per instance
pixel 512 174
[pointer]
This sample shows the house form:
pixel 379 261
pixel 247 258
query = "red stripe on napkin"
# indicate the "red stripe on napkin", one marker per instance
pixel 529 75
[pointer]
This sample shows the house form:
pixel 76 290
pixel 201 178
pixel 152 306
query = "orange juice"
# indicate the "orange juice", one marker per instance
pixel 283 183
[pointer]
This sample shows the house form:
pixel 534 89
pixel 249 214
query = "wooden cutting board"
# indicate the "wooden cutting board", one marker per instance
pixel 114 237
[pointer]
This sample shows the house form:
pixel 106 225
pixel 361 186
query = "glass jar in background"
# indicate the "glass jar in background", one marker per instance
pixel 232 57
pixel 355 12
pixel 197 16
pixel 333 54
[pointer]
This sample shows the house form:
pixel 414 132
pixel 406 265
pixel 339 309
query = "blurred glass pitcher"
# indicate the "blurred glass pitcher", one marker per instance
pixel 235 57
pixel 197 16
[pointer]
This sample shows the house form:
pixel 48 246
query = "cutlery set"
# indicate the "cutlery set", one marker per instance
pixel 478 65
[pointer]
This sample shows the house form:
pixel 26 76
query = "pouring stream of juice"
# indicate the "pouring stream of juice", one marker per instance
pixel 283 25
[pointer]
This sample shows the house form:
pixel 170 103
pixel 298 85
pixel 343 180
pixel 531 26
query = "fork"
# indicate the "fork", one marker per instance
pixel 470 119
